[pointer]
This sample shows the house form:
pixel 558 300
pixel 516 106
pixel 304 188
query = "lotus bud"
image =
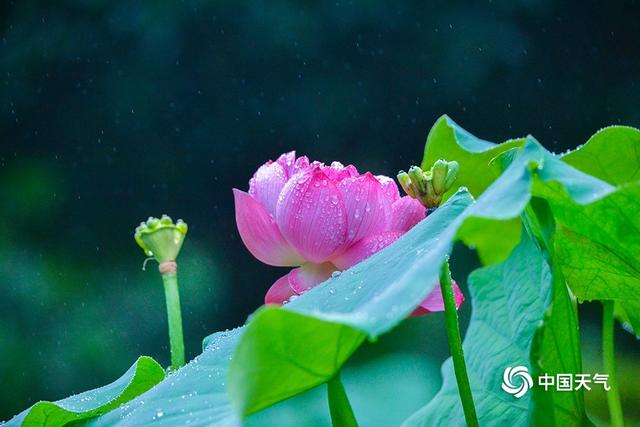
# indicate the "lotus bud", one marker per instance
pixel 438 175
pixel 431 198
pixel 429 187
pixel 406 184
pixel 452 175
pixel 418 179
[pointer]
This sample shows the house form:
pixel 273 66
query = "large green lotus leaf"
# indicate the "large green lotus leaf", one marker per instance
pixel 612 155
pixel 194 395
pixel 600 246
pixel 598 254
pixel 628 314
pixel 493 239
pixel 143 375
pixel 580 187
pixel 556 350
pixel 325 346
pixel 375 295
pixel 401 360
pixel 509 301
pixel 449 141
pixel 522 316
pixel 556 346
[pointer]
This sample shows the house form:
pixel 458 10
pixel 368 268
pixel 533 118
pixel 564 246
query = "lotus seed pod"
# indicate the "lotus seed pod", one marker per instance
pixel 161 238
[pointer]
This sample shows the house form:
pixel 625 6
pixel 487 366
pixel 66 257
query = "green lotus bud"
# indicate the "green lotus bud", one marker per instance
pixel 418 179
pixel 438 175
pixel 431 198
pixel 405 182
pixel 452 175
pixel 429 187
pixel 161 238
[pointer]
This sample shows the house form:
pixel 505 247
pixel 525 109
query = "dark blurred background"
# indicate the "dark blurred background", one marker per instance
pixel 113 111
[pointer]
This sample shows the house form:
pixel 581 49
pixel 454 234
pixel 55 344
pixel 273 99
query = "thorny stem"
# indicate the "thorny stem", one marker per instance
pixel 609 361
pixel 455 345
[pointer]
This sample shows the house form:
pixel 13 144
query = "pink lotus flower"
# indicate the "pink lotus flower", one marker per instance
pixel 321 219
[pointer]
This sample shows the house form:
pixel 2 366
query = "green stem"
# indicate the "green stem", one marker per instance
pixel 176 341
pixel 339 406
pixel 455 344
pixel 609 360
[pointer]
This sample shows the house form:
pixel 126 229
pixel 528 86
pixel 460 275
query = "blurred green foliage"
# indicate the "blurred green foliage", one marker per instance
pixel 114 111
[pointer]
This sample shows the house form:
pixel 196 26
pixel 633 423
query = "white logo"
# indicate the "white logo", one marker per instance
pixel 521 376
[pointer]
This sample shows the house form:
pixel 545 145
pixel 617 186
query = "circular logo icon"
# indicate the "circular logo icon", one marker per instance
pixel 517 381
